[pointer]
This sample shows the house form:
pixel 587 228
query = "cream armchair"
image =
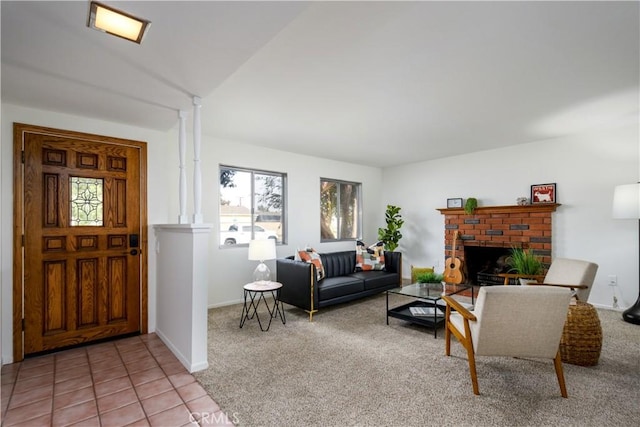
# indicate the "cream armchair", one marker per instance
pixel 572 273
pixel 513 321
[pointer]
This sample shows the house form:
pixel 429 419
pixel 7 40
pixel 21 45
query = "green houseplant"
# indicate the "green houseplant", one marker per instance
pixel 430 277
pixel 524 262
pixel 391 235
pixel 470 205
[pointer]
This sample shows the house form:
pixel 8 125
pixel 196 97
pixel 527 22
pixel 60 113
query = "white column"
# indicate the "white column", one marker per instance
pixel 197 173
pixel 182 293
pixel 182 142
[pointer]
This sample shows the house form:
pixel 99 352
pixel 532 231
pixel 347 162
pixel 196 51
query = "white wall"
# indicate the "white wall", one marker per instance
pixel 229 268
pixel 161 147
pixel 586 169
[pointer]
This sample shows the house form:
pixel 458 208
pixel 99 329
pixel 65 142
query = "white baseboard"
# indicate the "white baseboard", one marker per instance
pixel 190 366
pixel 607 307
pixel 224 304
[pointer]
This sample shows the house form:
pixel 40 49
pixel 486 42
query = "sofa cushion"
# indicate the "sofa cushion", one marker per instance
pixel 311 256
pixel 377 279
pixel 369 258
pixel 333 287
pixel 339 263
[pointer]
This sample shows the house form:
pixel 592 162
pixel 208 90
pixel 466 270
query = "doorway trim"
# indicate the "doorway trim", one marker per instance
pixel 19 130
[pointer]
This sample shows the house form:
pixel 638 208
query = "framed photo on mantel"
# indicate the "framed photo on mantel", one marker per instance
pixel 454 203
pixel 543 193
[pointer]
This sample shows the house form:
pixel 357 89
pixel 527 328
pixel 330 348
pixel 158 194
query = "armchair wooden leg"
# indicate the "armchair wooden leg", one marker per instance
pixel 447 340
pixel 447 332
pixel 468 344
pixel 472 368
pixel 557 362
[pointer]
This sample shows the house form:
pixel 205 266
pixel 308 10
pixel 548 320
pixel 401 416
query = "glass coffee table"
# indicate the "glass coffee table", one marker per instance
pixel 426 297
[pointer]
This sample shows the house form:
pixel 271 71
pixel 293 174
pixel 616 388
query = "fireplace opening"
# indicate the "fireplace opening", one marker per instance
pixel 483 264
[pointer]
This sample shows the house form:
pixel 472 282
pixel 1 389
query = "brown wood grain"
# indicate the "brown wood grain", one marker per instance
pixel 80 283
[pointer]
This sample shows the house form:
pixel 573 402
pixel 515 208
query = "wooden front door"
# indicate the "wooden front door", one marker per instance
pixel 80 221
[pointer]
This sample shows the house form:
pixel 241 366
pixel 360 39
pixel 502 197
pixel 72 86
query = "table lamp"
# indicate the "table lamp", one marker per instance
pixel 262 250
pixel 626 205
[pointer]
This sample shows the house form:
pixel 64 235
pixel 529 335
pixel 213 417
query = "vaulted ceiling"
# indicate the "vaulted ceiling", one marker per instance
pixel 377 83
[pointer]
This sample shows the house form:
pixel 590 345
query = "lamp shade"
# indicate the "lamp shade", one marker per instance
pixel 626 201
pixel 262 249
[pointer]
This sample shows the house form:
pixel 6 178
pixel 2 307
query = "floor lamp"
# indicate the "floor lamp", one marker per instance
pixel 626 205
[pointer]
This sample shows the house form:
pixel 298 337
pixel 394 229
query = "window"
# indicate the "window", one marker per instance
pixel 340 210
pixel 86 201
pixel 252 205
pixel 268 218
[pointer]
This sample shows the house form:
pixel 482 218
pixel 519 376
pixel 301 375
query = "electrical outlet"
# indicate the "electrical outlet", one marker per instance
pixel 613 280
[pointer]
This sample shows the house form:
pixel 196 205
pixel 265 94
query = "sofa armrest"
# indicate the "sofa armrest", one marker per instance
pixel 299 284
pixel 393 263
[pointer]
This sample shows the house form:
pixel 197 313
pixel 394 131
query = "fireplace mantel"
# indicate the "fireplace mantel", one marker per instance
pixel 488 210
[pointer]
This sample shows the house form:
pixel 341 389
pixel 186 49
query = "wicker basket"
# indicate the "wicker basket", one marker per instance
pixel 581 340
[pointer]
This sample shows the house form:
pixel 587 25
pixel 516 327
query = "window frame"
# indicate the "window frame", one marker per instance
pixel 253 209
pixel 359 216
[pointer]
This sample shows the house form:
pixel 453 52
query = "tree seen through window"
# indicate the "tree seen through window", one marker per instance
pixel 251 200
pixel 340 215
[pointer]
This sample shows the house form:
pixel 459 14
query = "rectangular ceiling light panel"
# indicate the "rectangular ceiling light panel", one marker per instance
pixel 113 21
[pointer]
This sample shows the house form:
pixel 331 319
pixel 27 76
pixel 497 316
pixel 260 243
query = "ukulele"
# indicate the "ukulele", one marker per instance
pixel 452 272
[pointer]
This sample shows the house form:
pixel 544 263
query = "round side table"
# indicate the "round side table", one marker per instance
pixel 253 294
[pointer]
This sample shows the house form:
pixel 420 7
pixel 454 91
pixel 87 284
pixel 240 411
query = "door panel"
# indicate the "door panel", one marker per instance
pixel 82 196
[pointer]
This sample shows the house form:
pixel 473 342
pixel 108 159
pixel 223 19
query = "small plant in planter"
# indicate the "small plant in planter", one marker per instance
pixel 522 261
pixel 470 205
pixel 430 277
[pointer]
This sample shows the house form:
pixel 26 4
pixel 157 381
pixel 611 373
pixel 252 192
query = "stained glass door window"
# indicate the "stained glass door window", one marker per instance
pixel 86 201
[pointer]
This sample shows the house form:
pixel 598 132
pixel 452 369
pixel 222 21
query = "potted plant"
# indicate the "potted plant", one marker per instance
pixel 391 235
pixel 430 277
pixel 470 205
pixel 524 262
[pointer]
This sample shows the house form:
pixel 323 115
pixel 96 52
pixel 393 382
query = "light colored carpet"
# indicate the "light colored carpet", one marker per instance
pixel 348 367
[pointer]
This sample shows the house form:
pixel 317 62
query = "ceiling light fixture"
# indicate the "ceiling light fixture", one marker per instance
pixel 113 21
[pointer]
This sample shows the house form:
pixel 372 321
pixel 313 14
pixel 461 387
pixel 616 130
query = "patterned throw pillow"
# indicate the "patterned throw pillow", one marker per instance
pixel 369 258
pixel 311 256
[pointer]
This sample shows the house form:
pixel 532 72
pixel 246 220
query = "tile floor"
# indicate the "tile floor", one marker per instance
pixel 132 381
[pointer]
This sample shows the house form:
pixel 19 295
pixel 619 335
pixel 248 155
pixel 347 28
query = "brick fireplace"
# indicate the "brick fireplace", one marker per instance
pixel 491 231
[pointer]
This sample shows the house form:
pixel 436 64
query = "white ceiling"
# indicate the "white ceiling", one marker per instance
pixel 377 83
